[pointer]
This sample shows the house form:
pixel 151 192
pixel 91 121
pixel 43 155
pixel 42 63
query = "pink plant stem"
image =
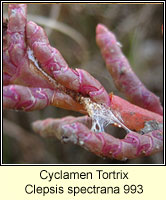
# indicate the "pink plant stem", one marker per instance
pixel 16 33
pixel 28 99
pixel 53 63
pixel 132 146
pixel 124 78
pixel 134 117
pixel 16 64
pixel 8 68
pixel 13 39
pixel 27 74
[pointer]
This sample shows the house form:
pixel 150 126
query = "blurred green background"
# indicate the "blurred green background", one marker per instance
pixel 71 29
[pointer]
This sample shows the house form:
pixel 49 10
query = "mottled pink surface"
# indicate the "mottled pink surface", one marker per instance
pixel 124 78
